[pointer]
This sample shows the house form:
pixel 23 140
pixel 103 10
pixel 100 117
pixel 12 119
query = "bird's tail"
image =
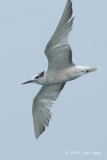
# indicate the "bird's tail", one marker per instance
pixel 92 69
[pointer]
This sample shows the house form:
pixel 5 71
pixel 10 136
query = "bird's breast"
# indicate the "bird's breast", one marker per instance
pixel 62 76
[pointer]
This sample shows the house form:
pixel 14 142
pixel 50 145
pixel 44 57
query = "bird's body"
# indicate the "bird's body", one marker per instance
pixel 62 76
pixel 61 69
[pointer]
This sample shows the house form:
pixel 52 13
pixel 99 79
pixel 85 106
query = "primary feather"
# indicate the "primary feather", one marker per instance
pixel 42 104
pixel 58 50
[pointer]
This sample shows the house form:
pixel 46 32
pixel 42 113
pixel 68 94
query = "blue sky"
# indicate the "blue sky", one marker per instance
pixel 79 115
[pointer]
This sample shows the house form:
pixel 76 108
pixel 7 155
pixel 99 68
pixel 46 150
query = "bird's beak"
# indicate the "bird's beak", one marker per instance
pixel 30 81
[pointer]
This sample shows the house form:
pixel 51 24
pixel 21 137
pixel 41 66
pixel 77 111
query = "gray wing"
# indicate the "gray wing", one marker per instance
pixel 42 104
pixel 58 50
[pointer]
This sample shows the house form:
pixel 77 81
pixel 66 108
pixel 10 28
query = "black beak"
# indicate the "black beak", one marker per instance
pixel 30 81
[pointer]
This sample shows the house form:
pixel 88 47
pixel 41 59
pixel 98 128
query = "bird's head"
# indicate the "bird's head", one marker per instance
pixel 37 79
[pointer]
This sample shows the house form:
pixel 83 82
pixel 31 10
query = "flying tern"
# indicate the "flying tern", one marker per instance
pixel 61 69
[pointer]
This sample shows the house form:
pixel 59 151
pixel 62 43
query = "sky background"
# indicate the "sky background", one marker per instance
pixel 79 116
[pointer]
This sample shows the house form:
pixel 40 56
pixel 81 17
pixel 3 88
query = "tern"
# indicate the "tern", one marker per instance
pixel 61 69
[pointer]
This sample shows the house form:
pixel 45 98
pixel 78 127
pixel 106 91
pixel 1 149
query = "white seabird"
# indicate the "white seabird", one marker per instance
pixel 60 70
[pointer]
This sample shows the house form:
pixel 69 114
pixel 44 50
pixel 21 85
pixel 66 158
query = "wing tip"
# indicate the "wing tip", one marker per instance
pixel 37 135
pixel 69 3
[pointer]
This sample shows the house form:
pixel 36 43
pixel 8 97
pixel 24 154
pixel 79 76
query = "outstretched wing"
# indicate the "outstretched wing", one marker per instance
pixel 42 104
pixel 58 50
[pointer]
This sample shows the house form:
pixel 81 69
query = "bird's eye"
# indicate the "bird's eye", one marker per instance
pixel 37 77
